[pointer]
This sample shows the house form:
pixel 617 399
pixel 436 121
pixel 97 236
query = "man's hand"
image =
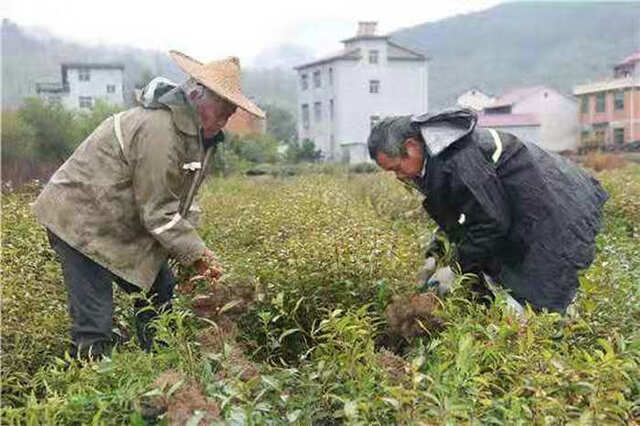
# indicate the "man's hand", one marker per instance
pixel 426 271
pixel 442 281
pixel 208 265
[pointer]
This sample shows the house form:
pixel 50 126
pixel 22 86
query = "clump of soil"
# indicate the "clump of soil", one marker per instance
pixel 179 403
pixel 218 298
pixel 412 316
pixel 395 366
pixel 238 366
pixel 212 338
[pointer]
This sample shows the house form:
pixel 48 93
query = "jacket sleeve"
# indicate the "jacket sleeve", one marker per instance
pixel 157 182
pixel 484 215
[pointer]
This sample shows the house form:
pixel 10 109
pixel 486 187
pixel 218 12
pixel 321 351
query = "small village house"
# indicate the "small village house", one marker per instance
pixel 475 99
pixel 341 96
pixel 610 108
pixel 538 114
pixel 243 123
pixel 84 83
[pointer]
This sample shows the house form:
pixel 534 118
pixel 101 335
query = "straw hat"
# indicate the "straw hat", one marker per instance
pixel 222 77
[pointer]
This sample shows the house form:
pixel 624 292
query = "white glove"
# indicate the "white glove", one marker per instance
pixel 442 281
pixel 426 271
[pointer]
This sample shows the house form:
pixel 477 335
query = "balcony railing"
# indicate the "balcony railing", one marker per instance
pixel 51 87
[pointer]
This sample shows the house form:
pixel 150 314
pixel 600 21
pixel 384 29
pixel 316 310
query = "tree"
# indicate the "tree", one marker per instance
pixel 303 152
pixel 55 130
pixel 280 123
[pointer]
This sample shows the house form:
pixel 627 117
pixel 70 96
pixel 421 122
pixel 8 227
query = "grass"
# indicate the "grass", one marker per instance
pixel 324 255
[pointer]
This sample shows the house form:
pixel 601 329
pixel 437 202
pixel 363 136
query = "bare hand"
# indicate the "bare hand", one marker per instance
pixel 208 265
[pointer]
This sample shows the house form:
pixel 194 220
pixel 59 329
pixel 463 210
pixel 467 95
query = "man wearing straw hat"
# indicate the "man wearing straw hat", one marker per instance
pixel 122 204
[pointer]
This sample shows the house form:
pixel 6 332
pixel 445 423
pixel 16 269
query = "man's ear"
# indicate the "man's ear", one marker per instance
pixel 412 146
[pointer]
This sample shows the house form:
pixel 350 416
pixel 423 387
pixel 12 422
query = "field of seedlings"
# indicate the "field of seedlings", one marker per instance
pixel 295 332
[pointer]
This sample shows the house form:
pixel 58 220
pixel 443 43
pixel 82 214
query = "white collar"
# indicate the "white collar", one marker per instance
pixel 424 166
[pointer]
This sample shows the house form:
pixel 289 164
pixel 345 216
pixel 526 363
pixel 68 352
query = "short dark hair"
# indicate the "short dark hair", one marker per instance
pixel 388 136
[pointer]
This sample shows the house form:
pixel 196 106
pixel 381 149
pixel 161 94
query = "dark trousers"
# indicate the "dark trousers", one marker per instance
pixel 90 291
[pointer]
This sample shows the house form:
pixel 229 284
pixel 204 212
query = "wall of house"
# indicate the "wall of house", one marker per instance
pixel 244 123
pixel 355 153
pixel 526 133
pixel 96 87
pixel 322 132
pixel 559 130
pixel 403 89
pixel 627 118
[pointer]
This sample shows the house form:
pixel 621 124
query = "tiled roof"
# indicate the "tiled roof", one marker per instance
pixel 396 51
pixel 516 95
pixel 342 54
pixel 244 123
pixel 629 59
pixel 508 120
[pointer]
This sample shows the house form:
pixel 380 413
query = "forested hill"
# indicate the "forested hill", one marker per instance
pixel 29 57
pixel 558 44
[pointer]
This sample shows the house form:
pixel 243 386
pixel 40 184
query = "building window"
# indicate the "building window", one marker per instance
pixel 317 82
pixel 111 88
pixel 373 56
pixel 585 104
pixel 84 74
pixel 332 144
pixel 618 136
pixel 373 120
pixel 374 86
pixel 618 100
pixel 331 76
pixel 331 109
pixel 85 102
pixel 304 81
pixel 305 116
pixel 584 136
pixel 600 102
pixel 317 111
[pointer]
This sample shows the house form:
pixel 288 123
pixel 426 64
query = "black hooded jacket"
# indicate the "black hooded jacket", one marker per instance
pixel 525 216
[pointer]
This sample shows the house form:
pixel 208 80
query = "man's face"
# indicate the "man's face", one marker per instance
pixel 214 113
pixel 405 167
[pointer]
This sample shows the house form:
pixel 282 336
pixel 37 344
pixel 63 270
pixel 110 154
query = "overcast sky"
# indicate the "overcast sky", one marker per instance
pixel 216 28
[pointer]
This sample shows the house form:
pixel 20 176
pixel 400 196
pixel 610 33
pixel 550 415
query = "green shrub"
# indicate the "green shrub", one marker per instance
pixel 326 251
pixel 56 131
pixel 364 168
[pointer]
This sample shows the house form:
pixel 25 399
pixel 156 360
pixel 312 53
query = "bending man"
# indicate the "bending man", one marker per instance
pixel 525 217
pixel 121 205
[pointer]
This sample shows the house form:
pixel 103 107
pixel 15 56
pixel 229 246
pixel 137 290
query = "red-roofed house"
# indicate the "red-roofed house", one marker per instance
pixel 475 99
pixel 537 114
pixel 244 123
pixel 610 108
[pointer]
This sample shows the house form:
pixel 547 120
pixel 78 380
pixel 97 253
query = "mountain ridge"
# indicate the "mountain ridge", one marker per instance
pixel 511 45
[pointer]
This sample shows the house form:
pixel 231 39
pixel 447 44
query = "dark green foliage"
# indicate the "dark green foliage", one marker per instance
pixel 281 124
pixel 40 136
pixel 364 168
pixel 306 151
pixel 87 122
pixel 56 134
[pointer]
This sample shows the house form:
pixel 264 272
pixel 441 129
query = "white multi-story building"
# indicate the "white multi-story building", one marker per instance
pixel 341 96
pixel 84 83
